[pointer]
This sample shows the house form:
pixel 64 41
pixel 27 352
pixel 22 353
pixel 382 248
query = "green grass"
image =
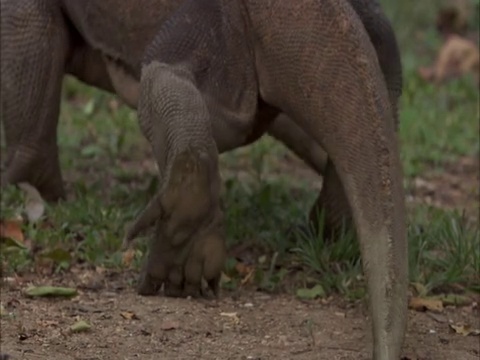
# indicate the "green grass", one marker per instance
pixel 109 179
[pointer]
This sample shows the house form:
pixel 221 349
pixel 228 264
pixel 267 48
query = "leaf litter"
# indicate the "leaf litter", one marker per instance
pixel 465 330
pixel 129 315
pixel 11 233
pixel 80 326
pixel 50 291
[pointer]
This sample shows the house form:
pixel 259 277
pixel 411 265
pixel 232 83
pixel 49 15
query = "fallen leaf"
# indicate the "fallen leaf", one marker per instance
pixel 170 325
pixel 233 316
pixel 465 330
pixel 2 311
pixel 423 304
pixel 80 326
pixel 457 56
pixel 34 204
pixel 11 233
pixel 40 291
pixel 128 315
pixel 128 256
pixel 312 293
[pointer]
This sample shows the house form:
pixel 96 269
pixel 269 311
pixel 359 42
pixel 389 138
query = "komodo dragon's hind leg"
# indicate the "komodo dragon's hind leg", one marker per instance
pixel 332 198
pixel 335 91
pixel 301 143
pixel 34 40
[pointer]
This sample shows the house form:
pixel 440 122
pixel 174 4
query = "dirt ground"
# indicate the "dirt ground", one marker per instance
pixel 240 325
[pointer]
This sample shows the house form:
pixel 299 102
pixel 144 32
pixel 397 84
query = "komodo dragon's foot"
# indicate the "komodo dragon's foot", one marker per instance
pixel 188 244
pixel 183 268
pixel 39 168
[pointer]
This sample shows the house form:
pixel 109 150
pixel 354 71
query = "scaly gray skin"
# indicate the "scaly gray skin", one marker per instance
pixel 332 196
pixel 101 43
pixel 203 77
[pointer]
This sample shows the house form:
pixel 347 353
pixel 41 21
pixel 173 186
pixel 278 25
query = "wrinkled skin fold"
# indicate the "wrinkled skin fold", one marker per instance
pixel 327 80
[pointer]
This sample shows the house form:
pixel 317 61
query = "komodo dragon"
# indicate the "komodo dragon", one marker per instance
pixel 44 39
pixel 220 70
pixel 310 59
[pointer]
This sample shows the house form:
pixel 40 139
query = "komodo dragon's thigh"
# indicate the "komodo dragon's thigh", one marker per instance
pixel 95 69
pixel 332 199
pixel 87 64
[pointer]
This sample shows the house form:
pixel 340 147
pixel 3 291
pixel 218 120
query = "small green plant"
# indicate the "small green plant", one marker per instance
pixel 444 250
pixel 336 261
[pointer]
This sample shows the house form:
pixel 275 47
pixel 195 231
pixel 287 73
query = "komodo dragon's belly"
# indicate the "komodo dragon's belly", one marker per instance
pixel 118 28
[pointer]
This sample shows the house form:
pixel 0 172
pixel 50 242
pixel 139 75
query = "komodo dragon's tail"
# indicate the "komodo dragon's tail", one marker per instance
pixel 383 38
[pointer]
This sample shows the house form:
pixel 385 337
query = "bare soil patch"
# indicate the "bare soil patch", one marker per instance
pixel 457 186
pixel 240 325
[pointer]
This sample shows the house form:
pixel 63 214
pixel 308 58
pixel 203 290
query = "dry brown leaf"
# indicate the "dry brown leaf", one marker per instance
pixel 128 315
pixel 424 304
pixel 457 56
pixel 128 256
pixel 465 330
pixel 12 229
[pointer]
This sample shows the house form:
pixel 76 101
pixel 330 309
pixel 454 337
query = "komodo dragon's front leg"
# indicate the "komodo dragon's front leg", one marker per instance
pixel 189 241
pixel 193 104
pixel 34 41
